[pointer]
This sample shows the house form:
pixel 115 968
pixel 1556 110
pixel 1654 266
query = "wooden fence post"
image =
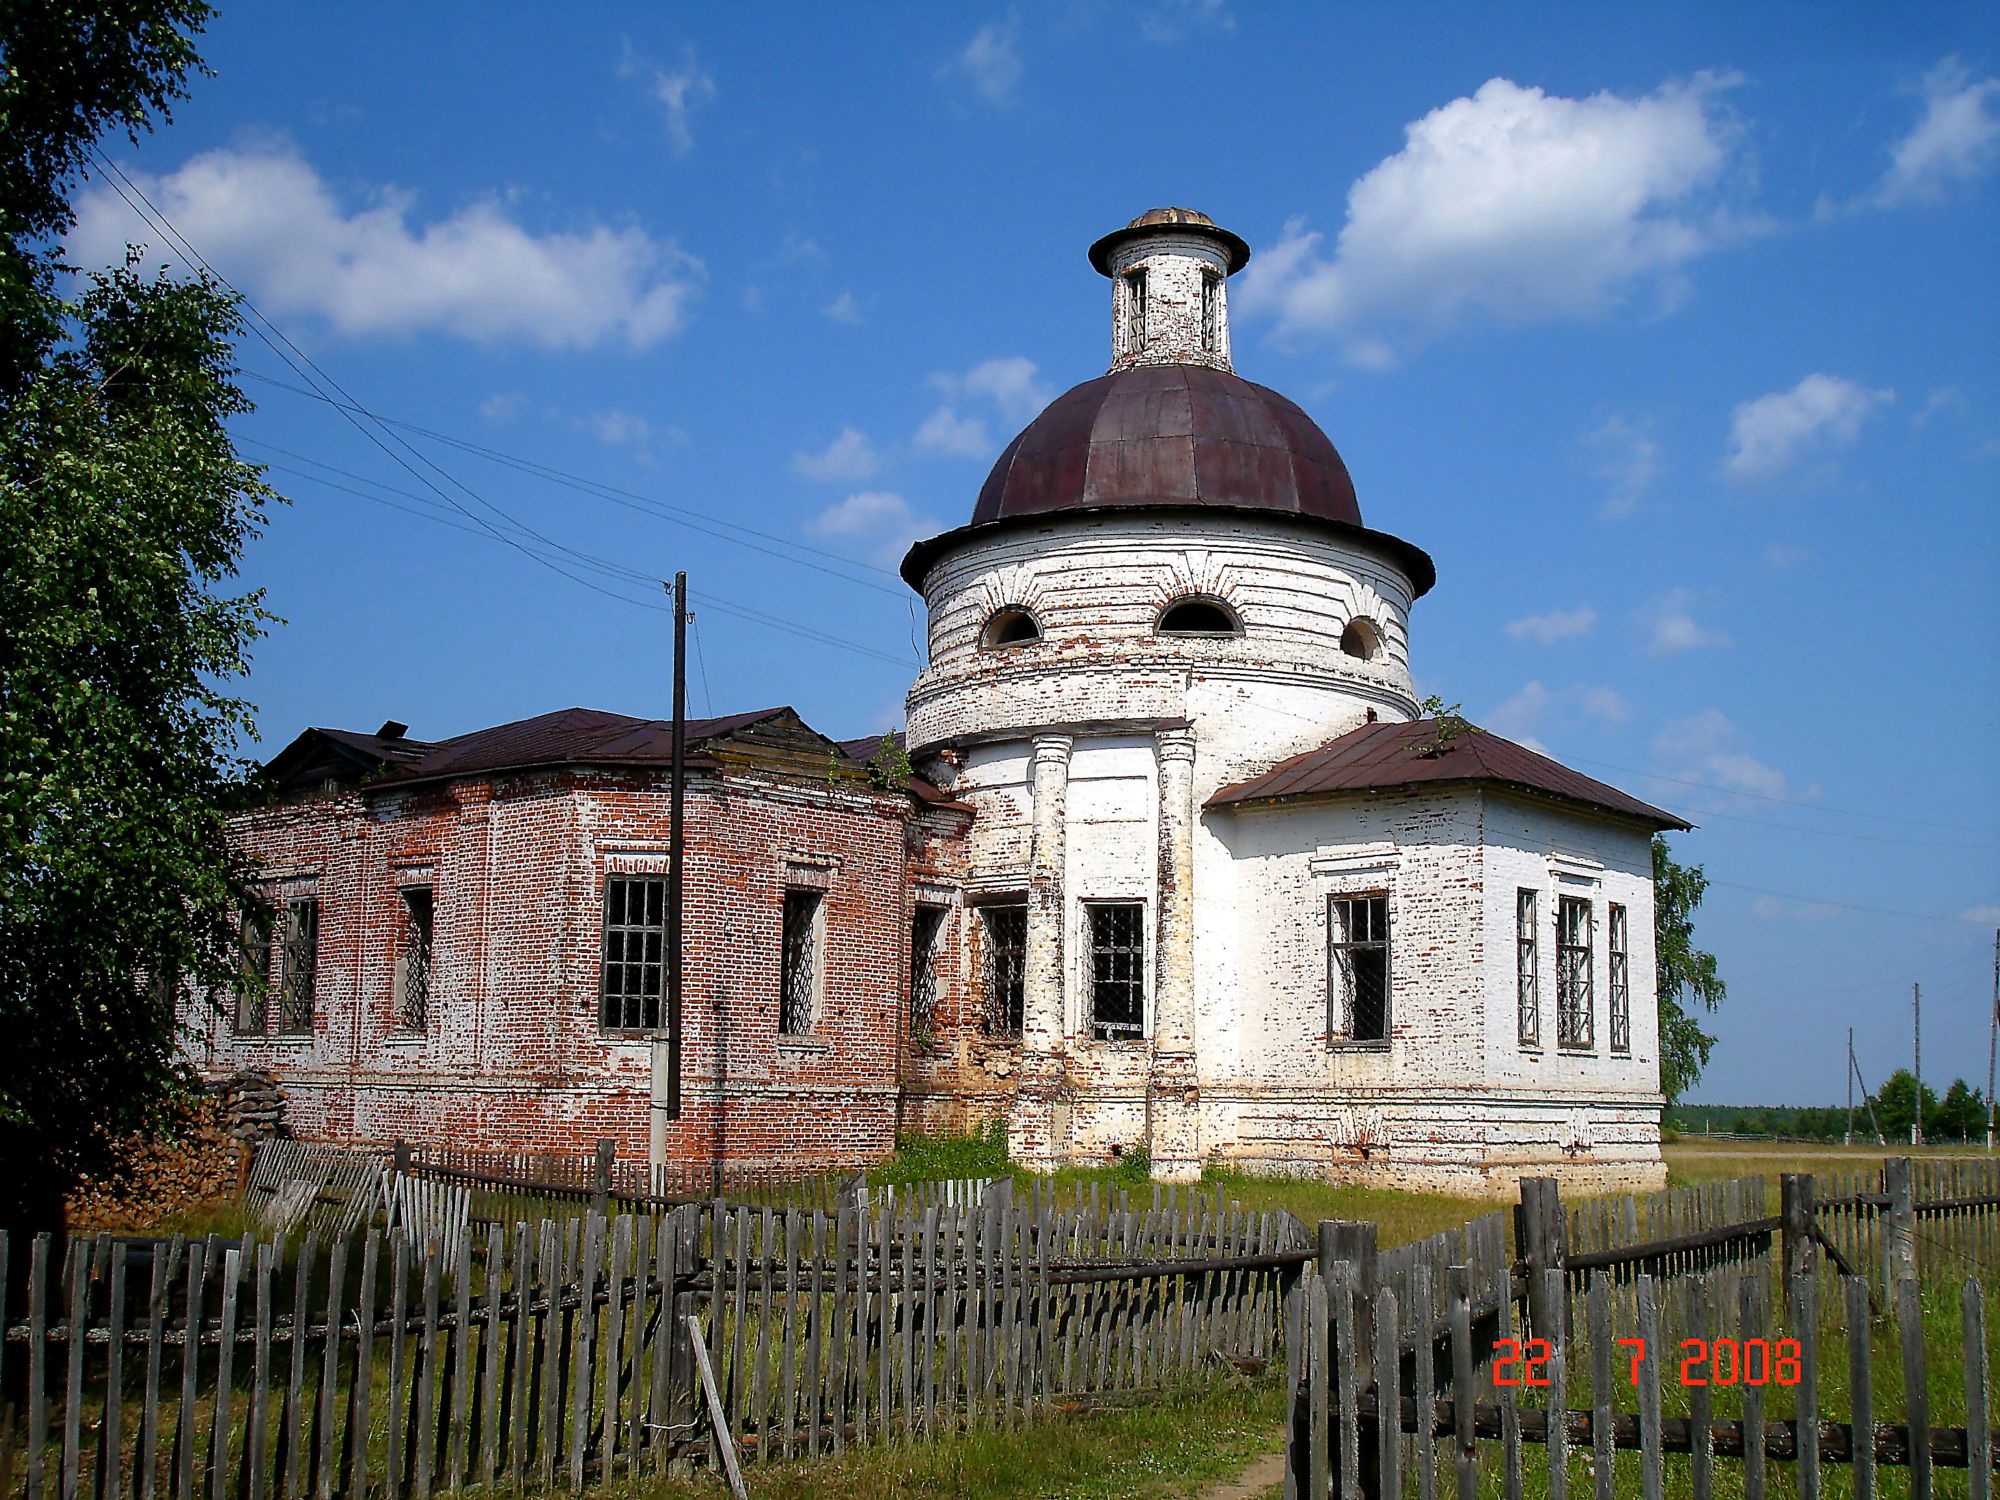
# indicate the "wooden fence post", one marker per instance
pixel 399 1157
pixel 1899 1245
pixel 1542 1234
pixel 1795 1207
pixel 600 1194
pixel 1352 1243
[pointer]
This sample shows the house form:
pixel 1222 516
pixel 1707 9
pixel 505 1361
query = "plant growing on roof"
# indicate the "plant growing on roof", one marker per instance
pixel 889 766
pixel 1451 725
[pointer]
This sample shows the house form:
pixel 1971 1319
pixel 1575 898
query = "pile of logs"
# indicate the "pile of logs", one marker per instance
pixel 252 1104
pixel 200 1161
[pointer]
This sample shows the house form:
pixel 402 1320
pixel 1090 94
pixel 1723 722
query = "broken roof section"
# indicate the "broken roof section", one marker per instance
pixel 1387 757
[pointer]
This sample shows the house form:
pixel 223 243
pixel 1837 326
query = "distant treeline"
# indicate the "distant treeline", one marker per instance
pixel 1959 1115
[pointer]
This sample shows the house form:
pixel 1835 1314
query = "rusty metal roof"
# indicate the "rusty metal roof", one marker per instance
pixel 1180 437
pixel 1383 757
pixel 569 736
pixel 1155 219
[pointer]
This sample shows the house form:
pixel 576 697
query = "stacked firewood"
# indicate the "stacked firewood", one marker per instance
pixel 200 1160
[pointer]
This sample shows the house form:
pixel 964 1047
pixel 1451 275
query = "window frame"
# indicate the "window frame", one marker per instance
pixel 1002 617
pixel 1214 601
pixel 1369 633
pixel 1576 995
pixel 791 992
pixel 653 1004
pixel 1128 1031
pixel 995 986
pixel 1341 981
pixel 254 986
pixel 298 970
pixel 415 960
pixel 1618 948
pixel 1528 966
pixel 1135 310
pixel 923 997
pixel 1211 311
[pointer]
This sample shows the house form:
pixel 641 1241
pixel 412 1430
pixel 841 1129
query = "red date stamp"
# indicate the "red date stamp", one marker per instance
pixel 1518 1362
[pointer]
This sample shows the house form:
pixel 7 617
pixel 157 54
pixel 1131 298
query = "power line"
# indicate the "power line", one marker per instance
pixel 1885 911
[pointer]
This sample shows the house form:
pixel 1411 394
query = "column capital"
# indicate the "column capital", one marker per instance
pixel 1053 746
pixel 1175 744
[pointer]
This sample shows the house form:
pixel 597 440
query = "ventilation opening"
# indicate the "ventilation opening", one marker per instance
pixel 1198 617
pixel 1010 627
pixel 1361 640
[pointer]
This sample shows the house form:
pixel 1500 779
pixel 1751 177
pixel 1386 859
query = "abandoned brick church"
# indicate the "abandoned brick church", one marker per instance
pixel 1180 868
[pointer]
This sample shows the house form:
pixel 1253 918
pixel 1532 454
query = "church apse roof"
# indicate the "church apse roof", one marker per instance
pixel 1385 757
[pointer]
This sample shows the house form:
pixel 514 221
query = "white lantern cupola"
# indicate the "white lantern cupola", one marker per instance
pixel 1169 271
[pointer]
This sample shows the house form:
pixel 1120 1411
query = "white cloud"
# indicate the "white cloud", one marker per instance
pixel 264 218
pixel 1783 556
pixel 992 59
pixel 1981 916
pixel 620 428
pixel 880 520
pixel 1671 627
pixel 1538 707
pixel 1707 747
pixel 1628 460
pixel 848 457
pixel 1957 139
pixel 1556 625
pixel 945 431
pixel 1012 383
pixel 1169 21
pixel 1520 716
pixel 1944 398
pixel 1513 204
pixel 1785 909
pixel 1606 704
pixel 503 406
pixel 679 91
pixel 1769 435
pixel 842 309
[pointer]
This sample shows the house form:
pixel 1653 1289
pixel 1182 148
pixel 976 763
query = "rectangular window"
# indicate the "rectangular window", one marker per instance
pixel 1358 950
pixel 1211 310
pixel 635 953
pixel 1135 312
pixel 1117 970
pixel 1527 968
pixel 301 966
pixel 253 991
pixel 926 928
pixel 413 965
pixel 798 978
pixel 1573 997
pixel 1621 984
pixel 1006 930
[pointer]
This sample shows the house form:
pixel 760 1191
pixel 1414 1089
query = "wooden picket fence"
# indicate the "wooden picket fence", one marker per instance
pixel 561 1352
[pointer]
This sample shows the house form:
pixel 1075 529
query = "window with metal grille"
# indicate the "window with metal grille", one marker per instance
pixel 1117 970
pixel 926 927
pixel 1135 312
pixel 798 979
pixel 1621 984
pixel 635 953
pixel 301 966
pixel 1211 310
pixel 1527 968
pixel 1573 998
pixel 1358 951
pixel 253 991
pixel 413 967
pixel 1006 931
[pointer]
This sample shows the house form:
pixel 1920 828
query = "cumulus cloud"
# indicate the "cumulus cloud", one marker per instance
pixel 503 406
pixel 1512 204
pixel 1981 916
pixel 1170 21
pixel 1956 139
pixel 1520 717
pixel 1707 747
pixel 879 521
pixel 1555 625
pixel 1538 708
pixel 265 219
pixel 1770 435
pixel 945 431
pixel 842 309
pixel 1606 705
pixel 848 457
pixel 679 91
pixel 991 61
pixel 1671 627
pixel 1627 458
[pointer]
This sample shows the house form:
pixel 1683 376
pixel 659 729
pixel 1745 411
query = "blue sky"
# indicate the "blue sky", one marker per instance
pixel 1668 330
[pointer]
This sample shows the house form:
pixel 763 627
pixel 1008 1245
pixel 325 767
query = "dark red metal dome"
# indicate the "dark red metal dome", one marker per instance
pixel 1170 435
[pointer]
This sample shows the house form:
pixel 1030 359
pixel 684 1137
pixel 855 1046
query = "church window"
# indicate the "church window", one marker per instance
pixel 1199 615
pixel 1117 970
pixel 253 991
pixel 1573 993
pixel 1621 983
pixel 1211 311
pixel 635 948
pixel 1135 312
pixel 798 977
pixel 1005 927
pixel 413 966
pixel 1358 950
pixel 926 928
pixel 1010 627
pixel 301 966
pixel 1361 639
pixel 1527 968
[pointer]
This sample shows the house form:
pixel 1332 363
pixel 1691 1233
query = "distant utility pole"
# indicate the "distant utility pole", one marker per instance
pixel 1848 1138
pixel 1992 1038
pixel 1917 1020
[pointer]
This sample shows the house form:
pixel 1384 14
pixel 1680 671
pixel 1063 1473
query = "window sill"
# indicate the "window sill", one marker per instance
pixel 1358 1046
pixel 803 1045
pixel 1577 1051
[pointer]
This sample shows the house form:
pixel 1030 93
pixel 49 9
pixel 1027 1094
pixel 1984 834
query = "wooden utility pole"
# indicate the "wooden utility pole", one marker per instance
pixel 1992 1038
pixel 675 851
pixel 1917 1021
pixel 1848 1138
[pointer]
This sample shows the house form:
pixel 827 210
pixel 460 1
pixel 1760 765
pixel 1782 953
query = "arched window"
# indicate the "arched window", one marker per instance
pixel 1010 627
pixel 1361 639
pixel 1199 615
